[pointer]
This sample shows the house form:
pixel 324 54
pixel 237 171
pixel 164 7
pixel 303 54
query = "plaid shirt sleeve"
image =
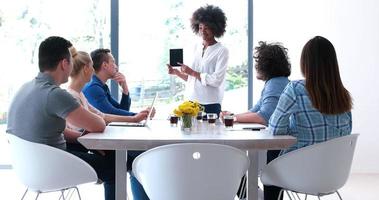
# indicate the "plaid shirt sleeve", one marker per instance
pixel 279 122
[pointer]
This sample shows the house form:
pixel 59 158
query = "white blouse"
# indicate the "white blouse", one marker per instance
pixel 212 68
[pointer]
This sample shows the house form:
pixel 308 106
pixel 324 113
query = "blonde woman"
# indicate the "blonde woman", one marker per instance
pixel 81 74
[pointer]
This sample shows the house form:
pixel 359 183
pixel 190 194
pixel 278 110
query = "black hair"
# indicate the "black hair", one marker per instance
pixel 212 16
pixel 271 61
pixel 98 57
pixel 51 51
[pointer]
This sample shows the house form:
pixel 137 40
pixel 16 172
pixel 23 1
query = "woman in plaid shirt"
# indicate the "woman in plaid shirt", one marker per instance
pixel 317 108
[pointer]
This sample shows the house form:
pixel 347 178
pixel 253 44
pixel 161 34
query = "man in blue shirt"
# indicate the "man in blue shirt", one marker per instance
pixel 97 92
pixel 98 95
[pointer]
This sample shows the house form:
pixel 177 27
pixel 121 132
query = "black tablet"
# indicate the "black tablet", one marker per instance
pixel 176 56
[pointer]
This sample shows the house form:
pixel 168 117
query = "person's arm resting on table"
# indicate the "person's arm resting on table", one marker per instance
pixel 81 117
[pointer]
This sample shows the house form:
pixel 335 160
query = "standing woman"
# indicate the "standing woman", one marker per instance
pixel 206 76
pixel 315 109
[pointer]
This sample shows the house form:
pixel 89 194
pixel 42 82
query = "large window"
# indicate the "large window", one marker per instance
pixel 148 32
pixel 25 23
pixel 145 35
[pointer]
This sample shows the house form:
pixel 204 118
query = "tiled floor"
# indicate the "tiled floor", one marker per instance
pixel 358 187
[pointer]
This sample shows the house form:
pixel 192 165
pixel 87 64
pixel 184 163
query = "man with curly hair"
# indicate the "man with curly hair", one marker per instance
pixel 272 66
pixel 206 76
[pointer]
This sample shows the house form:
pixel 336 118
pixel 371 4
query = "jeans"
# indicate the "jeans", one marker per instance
pixel 137 190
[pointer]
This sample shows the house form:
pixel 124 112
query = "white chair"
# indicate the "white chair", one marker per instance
pixel 318 170
pixel 191 171
pixel 42 168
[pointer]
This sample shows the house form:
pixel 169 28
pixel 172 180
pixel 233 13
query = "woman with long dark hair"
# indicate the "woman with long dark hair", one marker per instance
pixel 317 108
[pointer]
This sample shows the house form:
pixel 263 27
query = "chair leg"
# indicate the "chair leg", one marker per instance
pixel 37 196
pixel 293 195
pixel 62 195
pixel 296 195
pixel 288 194
pixel 26 191
pixel 77 190
pixel 339 195
pixel 280 194
pixel 70 192
pixel 306 196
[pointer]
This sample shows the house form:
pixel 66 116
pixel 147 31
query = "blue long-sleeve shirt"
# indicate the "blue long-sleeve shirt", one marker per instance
pixel 98 95
pixel 269 97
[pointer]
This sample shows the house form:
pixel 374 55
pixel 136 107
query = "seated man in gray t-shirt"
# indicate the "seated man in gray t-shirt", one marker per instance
pixel 40 109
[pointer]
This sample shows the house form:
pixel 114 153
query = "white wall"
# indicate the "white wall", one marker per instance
pixel 353 27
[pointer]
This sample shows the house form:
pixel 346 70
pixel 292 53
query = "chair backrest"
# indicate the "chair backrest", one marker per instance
pixel 317 169
pixel 191 171
pixel 44 168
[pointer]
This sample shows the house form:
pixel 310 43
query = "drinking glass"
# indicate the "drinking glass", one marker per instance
pixel 174 120
pixel 212 118
pixel 228 121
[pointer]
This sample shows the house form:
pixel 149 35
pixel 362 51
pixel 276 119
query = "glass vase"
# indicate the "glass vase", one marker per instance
pixel 186 122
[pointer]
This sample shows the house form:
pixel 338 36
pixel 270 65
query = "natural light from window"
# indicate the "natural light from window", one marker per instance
pixel 148 32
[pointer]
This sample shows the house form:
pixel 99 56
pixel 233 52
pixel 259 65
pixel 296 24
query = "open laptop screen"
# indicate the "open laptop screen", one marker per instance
pixel 138 124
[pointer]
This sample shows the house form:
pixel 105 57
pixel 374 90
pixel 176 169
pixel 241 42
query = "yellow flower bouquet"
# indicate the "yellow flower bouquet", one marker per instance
pixel 186 111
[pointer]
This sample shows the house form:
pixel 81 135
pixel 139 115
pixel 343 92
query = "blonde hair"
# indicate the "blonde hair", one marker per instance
pixel 80 59
pixel 73 51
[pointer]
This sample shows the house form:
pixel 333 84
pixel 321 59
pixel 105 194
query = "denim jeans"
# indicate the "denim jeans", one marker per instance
pixel 137 190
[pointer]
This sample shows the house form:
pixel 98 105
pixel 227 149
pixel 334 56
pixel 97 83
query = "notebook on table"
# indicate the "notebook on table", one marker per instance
pixel 142 123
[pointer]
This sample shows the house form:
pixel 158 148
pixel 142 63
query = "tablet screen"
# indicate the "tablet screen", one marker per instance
pixel 176 56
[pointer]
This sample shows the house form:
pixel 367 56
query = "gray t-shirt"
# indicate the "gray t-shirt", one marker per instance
pixel 38 111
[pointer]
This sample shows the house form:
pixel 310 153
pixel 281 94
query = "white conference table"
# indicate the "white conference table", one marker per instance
pixel 160 132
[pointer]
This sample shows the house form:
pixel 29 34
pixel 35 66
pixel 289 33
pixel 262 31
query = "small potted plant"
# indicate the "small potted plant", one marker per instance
pixel 187 110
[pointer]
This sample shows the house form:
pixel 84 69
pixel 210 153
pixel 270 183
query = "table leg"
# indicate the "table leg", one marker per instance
pixel 252 176
pixel 121 192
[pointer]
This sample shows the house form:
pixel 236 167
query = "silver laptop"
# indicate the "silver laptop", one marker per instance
pixel 142 123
